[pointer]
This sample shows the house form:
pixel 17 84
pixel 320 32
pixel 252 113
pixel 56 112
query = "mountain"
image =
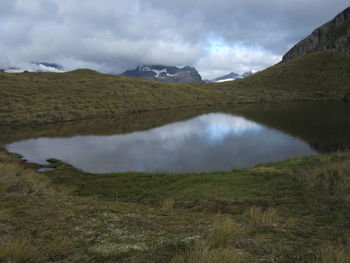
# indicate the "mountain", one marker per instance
pixel 334 35
pixel 165 73
pixel 37 67
pixel 233 76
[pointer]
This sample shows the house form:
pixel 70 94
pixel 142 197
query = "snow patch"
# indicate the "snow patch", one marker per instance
pixel 158 72
pixel 224 80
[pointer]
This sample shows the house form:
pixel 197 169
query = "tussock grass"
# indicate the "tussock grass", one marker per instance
pixel 91 226
pixel 7 158
pixel 258 217
pixel 333 254
pixel 19 251
pixel 216 246
pixel 200 252
pixel 16 180
pixel 331 180
pixel 168 204
pixel 222 231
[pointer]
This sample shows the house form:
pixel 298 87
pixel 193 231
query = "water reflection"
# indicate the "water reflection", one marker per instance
pixel 208 142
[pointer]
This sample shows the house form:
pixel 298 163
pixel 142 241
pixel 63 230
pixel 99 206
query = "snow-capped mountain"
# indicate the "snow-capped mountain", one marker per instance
pixel 233 76
pixel 37 67
pixel 165 73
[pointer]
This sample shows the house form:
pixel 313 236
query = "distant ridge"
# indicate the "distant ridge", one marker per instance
pixel 233 76
pixel 165 73
pixel 35 66
pixel 334 35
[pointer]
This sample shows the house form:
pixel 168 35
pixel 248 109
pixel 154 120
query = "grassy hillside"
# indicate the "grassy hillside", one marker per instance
pixel 316 76
pixel 80 94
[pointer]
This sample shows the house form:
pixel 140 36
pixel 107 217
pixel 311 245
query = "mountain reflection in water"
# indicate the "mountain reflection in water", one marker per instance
pixel 211 142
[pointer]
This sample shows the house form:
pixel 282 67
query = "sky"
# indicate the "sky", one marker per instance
pixel 111 36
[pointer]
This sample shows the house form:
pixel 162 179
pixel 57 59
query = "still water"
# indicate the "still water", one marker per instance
pixel 208 142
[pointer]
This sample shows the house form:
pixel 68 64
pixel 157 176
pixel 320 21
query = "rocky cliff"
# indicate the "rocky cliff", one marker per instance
pixel 165 73
pixel 334 35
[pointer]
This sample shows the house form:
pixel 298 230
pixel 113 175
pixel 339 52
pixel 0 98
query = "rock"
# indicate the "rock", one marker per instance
pixel 165 73
pixel 347 97
pixel 334 35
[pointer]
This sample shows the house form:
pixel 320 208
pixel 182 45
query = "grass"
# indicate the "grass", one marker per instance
pixel 256 217
pixel 168 204
pixel 214 247
pixel 39 98
pixel 200 252
pixel 333 180
pixel 19 251
pixel 291 211
pixel 222 231
pixel 336 254
pixel 263 214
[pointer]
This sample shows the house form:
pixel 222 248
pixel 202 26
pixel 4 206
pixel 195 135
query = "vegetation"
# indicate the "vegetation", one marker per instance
pixel 291 211
pixel 81 94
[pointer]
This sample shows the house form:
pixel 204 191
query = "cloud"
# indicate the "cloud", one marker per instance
pixel 223 58
pixel 112 36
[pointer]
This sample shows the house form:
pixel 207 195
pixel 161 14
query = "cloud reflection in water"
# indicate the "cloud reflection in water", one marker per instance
pixel 206 143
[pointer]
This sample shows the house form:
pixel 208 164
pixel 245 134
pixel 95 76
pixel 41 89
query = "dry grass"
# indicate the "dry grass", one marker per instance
pixel 216 247
pixel 100 230
pixel 257 217
pixel 333 254
pixel 16 180
pixel 332 180
pixel 222 231
pixel 19 251
pixel 200 252
pixel 168 204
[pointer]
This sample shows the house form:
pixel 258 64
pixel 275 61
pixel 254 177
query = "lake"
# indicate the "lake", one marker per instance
pixel 200 140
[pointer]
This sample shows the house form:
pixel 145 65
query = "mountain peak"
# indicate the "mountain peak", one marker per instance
pixel 334 35
pixel 233 76
pixel 163 73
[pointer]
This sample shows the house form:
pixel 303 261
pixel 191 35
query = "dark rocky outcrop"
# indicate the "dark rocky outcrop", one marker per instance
pixel 334 35
pixel 165 73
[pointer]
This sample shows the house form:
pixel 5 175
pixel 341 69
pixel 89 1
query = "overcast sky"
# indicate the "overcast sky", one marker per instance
pixel 217 37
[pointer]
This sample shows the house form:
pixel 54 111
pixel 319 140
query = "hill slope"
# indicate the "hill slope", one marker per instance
pixel 334 35
pixel 52 97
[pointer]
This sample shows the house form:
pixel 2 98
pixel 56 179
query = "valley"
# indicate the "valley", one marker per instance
pixel 157 166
